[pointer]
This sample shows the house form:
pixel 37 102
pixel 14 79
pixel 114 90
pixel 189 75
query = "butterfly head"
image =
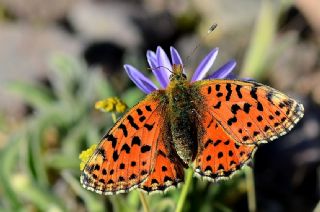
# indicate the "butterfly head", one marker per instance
pixel 177 73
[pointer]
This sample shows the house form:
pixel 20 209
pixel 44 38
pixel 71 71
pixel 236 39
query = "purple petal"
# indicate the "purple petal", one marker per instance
pixel 153 63
pixel 141 81
pixel 164 64
pixel 205 65
pixel 175 57
pixel 224 71
pixel 152 60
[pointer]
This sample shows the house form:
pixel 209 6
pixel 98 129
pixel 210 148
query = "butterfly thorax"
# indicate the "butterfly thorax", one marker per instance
pixel 181 107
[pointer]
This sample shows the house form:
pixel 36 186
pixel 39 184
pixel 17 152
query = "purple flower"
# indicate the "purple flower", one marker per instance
pixel 159 62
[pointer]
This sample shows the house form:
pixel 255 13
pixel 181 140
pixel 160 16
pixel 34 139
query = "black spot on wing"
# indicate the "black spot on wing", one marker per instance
pixel 209 141
pixel 246 107
pixel 139 111
pixel 148 108
pixel 164 168
pixel 122 166
pixel 218 105
pixel 104 171
pixel 132 177
pixel 219 94
pixel 270 95
pixel 144 172
pixel 232 120
pixel 149 127
pixel 235 108
pixel 132 123
pixel 238 90
pixel 97 167
pixel 125 147
pixel 209 125
pixel 217 142
pixel 102 152
pixel 230 153
pixel 259 106
pixel 113 140
pixel 160 152
pixel 229 91
pixel 115 155
pixel 124 129
pixel 145 148
pixel 209 90
pixel 135 141
pixel 142 118
pixel 253 93
pixel 220 167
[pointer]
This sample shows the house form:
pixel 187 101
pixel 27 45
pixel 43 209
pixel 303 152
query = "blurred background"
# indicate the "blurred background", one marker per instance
pixel 57 58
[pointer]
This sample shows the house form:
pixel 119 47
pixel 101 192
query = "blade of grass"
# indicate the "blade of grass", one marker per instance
pixel 261 41
pixel 8 162
pixel 92 202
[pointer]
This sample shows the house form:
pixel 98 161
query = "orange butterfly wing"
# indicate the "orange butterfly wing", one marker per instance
pixel 129 154
pixel 249 112
pixel 168 169
pixel 234 117
pixel 219 154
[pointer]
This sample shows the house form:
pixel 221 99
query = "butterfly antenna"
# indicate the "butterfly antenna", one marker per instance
pixel 211 29
pixel 158 67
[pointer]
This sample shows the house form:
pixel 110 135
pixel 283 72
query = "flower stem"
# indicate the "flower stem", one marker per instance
pixel 250 190
pixel 114 117
pixel 184 192
pixel 144 202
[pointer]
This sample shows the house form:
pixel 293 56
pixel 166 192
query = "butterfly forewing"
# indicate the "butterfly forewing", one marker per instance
pixel 249 112
pixel 125 156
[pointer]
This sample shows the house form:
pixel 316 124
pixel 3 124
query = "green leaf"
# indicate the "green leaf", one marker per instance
pixel 37 96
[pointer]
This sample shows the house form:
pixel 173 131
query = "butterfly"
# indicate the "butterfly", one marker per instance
pixel 214 126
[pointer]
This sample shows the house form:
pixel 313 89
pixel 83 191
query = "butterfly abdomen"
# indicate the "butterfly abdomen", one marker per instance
pixel 182 128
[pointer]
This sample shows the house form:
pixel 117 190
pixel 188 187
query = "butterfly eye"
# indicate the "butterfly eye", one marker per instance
pixel 184 76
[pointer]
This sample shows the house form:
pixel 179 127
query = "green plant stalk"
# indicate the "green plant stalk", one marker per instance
pixel 114 117
pixel 184 192
pixel 144 202
pixel 250 190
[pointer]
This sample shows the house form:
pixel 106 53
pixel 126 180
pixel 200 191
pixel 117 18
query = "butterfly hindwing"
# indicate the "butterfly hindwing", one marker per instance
pixel 125 156
pixel 219 155
pixel 249 112
pixel 168 169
